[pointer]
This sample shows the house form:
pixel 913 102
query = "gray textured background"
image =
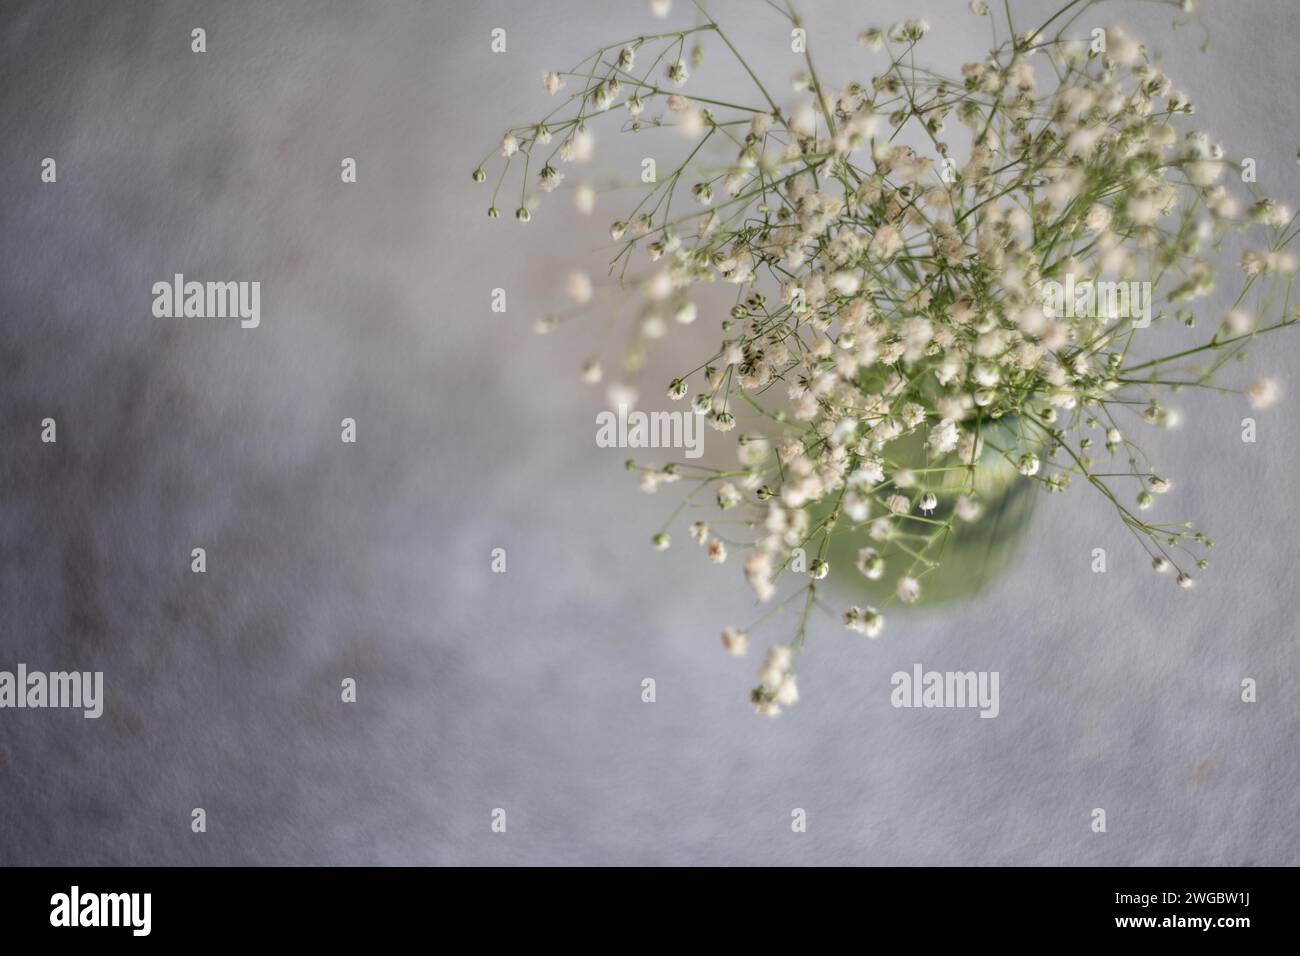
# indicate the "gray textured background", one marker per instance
pixel 522 690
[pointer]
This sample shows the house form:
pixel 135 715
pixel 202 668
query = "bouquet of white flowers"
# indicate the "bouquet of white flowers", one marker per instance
pixel 921 332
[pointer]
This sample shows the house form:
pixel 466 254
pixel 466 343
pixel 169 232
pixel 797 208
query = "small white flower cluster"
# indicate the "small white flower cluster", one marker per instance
pixel 891 339
pixel 866 621
pixel 776 682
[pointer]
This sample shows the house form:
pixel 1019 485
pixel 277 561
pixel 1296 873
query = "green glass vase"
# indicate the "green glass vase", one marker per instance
pixel 975 553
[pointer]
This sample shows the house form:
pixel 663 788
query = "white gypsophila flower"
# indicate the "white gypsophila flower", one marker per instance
pixel 787 692
pixel 909 589
pixel 1097 218
pixel 620 395
pixel 967 509
pixel 736 642
pixel 871 564
pixel 1121 48
pixel 661 8
pixel 803 121
pixel 728 496
pixel 775 668
pixel 578 147
pixel 1263 393
pixel 720 420
pixel 944 437
pixel 908 31
pixel 579 287
pixel 753 450
pixel 866 621
pixel 551 82
pixel 886 243
pixel 549 178
pixel 873 39
pixel 1239 322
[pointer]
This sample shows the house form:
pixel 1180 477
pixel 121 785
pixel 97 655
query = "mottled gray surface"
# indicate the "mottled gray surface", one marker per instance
pixel 522 690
